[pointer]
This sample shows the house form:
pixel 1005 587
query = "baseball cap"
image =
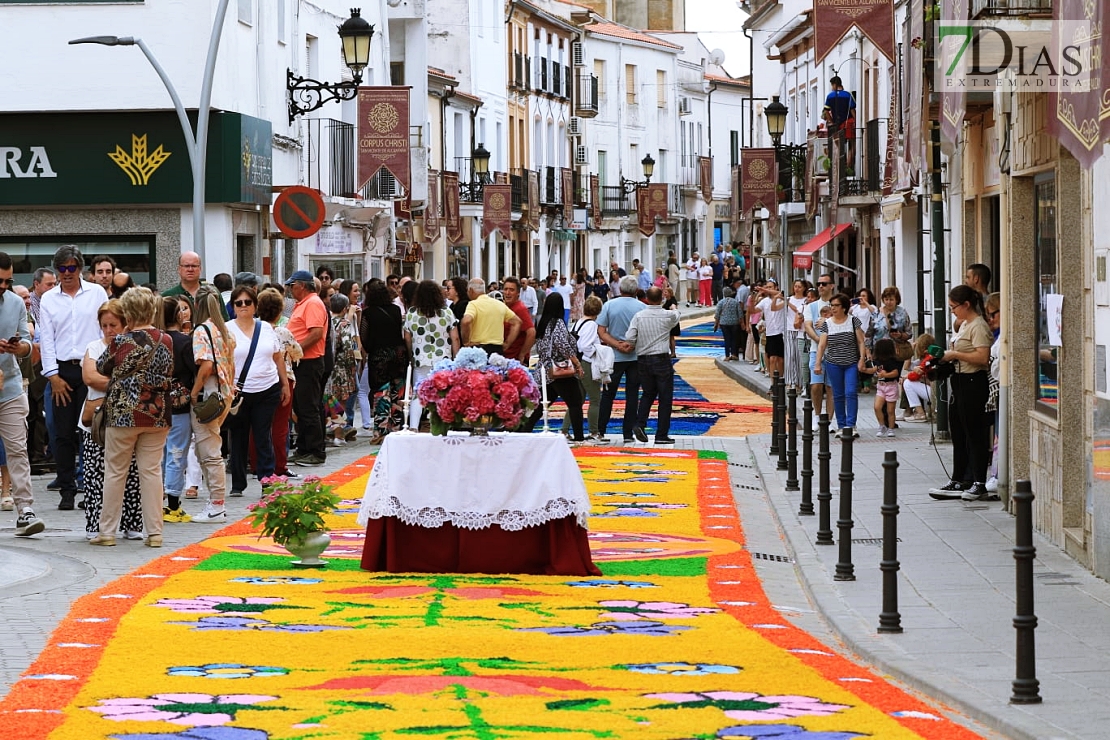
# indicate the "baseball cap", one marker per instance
pixel 300 276
pixel 246 278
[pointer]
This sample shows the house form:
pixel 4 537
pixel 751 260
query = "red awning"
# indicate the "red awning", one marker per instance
pixel 803 258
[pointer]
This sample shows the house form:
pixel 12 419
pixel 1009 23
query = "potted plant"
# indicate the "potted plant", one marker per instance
pixel 292 515
pixel 475 391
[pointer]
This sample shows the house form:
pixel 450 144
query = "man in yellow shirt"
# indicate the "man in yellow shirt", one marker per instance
pixel 485 320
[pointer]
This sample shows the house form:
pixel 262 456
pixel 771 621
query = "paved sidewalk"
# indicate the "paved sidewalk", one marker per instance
pixel 956 589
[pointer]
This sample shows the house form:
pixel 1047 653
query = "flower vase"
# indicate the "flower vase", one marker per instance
pixel 308 549
pixel 480 427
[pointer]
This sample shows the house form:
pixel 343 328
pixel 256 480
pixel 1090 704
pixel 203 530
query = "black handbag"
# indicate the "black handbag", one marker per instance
pixel 210 406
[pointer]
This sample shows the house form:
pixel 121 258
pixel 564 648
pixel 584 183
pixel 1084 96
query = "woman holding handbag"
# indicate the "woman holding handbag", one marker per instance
pixel 261 388
pixel 558 354
pixel 213 385
pixel 893 322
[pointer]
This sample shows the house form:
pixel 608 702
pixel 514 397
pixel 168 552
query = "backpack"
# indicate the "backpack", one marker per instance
pixel 574 331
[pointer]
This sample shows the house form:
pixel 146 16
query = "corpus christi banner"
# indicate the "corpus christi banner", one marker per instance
pixel 451 216
pixel 705 176
pixel 568 193
pixel 533 219
pixel 759 178
pixel 832 19
pixel 497 209
pixel 431 209
pixel 383 133
pixel 1080 119
pixel 651 202
pixel 595 200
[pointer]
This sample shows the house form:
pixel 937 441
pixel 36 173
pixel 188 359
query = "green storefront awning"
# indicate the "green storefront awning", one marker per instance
pixel 128 158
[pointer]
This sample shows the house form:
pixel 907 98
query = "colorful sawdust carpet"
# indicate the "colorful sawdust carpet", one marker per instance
pixel 224 641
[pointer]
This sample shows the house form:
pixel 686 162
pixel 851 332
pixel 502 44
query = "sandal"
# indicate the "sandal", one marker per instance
pixel 191 492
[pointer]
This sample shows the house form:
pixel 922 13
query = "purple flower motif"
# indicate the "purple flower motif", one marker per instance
pixel 245 624
pixel 789 732
pixel 200 733
pixel 628 609
pixel 276 580
pixel 750 707
pixel 598 629
pixel 190 710
pixel 219 604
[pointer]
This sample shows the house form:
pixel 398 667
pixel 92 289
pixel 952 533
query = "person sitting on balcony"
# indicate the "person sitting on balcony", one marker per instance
pixel 840 113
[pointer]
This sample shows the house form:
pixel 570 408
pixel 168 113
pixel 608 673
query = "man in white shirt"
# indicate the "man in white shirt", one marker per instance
pixel 773 308
pixel 566 291
pixel 691 279
pixel 67 324
pixel 528 296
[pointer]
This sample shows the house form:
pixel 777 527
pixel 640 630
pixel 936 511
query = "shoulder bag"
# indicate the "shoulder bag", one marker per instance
pixel 98 427
pixel 238 402
pixel 563 368
pixel 209 407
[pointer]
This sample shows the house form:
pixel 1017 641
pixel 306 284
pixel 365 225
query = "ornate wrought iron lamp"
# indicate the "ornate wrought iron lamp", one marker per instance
pixel 631 186
pixel 307 95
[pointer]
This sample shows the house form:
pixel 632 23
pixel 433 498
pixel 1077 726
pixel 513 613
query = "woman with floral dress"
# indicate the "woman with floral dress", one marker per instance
pixel 431 334
pixel 343 381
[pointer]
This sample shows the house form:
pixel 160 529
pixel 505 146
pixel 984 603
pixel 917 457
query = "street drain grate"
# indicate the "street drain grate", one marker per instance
pixel 872 541
pixel 772 558
pixel 1056 579
pixel 748 488
pixel 741 465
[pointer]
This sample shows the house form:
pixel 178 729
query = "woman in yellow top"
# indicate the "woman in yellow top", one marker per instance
pixel 968 419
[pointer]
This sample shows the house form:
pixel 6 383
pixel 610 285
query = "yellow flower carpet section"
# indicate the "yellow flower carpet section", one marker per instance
pixel 225 641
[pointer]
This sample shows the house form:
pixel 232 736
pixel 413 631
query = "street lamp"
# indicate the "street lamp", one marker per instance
pixel 479 158
pixel 306 95
pixel 197 146
pixel 775 113
pixel 631 186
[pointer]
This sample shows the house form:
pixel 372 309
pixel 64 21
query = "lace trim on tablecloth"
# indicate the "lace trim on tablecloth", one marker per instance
pixel 510 521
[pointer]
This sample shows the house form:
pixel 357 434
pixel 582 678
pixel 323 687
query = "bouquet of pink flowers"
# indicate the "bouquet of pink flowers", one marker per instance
pixel 460 392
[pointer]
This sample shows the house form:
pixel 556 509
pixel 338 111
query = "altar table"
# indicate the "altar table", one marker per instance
pixel 506 503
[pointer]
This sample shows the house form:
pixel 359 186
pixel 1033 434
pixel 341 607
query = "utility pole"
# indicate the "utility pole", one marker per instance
pixel 940 298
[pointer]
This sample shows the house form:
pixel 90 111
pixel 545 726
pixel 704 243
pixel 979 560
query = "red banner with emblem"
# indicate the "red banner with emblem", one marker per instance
pixel 533 200
pixel 595 200
pixel 759 179
pixel 431 207
pixel 1081 119
pixel 734 202
pixel 651 203
pixel 451 218
pixel 833 19
pixel 705 176
pixel 568 193
pixel 383 133
pixel 953 100
pixel 497 214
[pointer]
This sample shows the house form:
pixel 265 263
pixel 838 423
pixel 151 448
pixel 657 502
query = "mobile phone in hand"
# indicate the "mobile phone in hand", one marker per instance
pixel 855 301
pixel 15 339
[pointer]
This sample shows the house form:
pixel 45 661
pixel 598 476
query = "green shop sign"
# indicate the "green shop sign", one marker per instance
pixel 51 159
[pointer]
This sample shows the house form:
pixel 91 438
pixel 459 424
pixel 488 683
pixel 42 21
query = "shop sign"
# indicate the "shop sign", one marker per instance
pixel 580 220
pixel 50 159
pixel 338 240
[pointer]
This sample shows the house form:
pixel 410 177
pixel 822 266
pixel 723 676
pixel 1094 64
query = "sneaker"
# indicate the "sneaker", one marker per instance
pixel 155 540
pixel 235 494
pixel 176 516
pixel 211 514
pixel 132 535
pixel 992 484
pixel 81 504
pixel 600 439
pixel 103 540
pixel 664 440
pixel 308 461
pixel 7 504
pixel 639 433
pixel 890 432
pixel 629 441
pixel 882 432
pixel 54 485
pixel 66 504
pixel 978 492
pixel 349 433
pixel 951 490
pixel 28 524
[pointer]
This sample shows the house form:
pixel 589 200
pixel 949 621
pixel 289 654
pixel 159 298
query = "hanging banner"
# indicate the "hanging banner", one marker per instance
pixel 497 213
pixel 402 209
pixel 452 219
pixel 890 163
pixel 834 178
pixel 431 208
pixel 651 203
pixel 705 173
pixel 812 186
pixel 595 200
pixel 383 133
pixel 953 98
pixel 759 180
pixel 1081 119
pixel 533 200
pixel 568 193
pixel 913 112
pixel 832 19
pixel 734 202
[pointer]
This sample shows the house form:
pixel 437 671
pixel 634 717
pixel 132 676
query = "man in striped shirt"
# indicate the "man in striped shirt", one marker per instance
pixel 649 334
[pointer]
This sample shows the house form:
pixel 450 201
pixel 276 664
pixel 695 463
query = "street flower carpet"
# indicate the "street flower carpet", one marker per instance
pixel 223 640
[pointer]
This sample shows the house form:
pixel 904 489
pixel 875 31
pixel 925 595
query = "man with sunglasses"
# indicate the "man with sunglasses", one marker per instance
pixel 67 325
pixel 826 289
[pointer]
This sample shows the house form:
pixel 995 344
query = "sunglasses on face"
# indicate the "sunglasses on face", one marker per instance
pixel 242 304
pixel 67 268
pixel 821 284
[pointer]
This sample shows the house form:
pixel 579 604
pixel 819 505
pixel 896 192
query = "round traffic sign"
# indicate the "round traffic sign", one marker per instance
pixel 299 212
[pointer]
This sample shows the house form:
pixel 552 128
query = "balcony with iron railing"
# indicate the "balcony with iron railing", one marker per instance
pixel 676 202
pixel 1010 8
pixel 382 186
pixel 518 180
pixel 689 171
pixel 585 99
pixel 792 173
pixel 615 203
pixel 862 160
pixel 330 157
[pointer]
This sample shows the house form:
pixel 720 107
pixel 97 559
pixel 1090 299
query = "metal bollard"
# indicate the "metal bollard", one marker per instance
pixel 1026 686
pixel 774 415
pixel 792 439
pixel 889 619
pixel 806 507
pixel 781 465
pixel 824 493
pixel 845 571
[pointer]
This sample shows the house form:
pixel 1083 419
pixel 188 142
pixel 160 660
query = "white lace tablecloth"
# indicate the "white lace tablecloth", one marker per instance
pixel 511 480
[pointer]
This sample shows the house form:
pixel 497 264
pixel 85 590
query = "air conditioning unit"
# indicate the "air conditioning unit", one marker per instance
pixel 581 155
pixel 684 106
pixel 577 54
pixel 574 126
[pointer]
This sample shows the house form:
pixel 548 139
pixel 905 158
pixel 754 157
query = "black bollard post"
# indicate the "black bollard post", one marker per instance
pixel 845 571
pixel 775 420
pixel 783 422
pixel 824 492
pixel 889 619
pixel 806 507
pixel 792 439
pixel 1026 686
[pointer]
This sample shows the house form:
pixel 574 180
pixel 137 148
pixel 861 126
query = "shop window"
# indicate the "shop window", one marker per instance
pixel 135 256
pixel 1049 309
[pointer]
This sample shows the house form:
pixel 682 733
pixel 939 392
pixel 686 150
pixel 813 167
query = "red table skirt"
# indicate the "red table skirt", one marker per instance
pixel 559 547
